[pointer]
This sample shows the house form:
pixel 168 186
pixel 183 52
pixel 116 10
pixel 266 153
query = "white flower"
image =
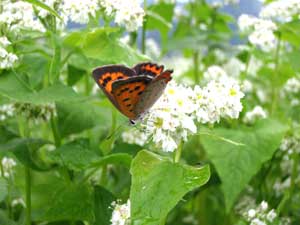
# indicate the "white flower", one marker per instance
pixel 6 111
pixel 214 72
pixel 247 86
pixel 251 213
pixel 292 85
pixel 19 15
pixel 18 201
pixel 234 67
pixel 79 11
pixel 261 31
pixel 257 113
pixel 281 10
pixel 121 214
pixel 271 215
pixel 257 221
pixel 126 13
pixel 134 136
pixel 264 205
pixel 4 41
pixel 8 164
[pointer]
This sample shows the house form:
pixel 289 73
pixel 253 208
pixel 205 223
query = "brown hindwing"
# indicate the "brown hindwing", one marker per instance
pixel 127 93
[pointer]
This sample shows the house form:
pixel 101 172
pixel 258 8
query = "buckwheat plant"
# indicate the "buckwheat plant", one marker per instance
pixel 175 115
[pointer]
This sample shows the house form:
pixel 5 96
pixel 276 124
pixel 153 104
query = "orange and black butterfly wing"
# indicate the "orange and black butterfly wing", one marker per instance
pixel 127 94
pixel 153 92
pixel 106 75
pixel 149 69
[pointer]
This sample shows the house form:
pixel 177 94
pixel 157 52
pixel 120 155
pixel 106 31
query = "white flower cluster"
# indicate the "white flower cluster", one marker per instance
pixel 19 15
pixel 6 111
pixel 37 113
pixel 290 145
pixel 126 13
pixel 291 91
pixel 261 31
pixel 7 165
pixel 261 215
pixel 255 114
pixel 79 11
pixel 7 59
pixel 121 214
pixel 214 72
pixel 282 10
pixel 172 118
pixel 134 136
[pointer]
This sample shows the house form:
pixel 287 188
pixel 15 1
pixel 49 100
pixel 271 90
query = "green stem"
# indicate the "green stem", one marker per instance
pixel 178 151
pixel 144 30
pixel 55 131
pixel 289 193
pixel 28 195
pixel 196 66
pixel 275 91
pixel 24 132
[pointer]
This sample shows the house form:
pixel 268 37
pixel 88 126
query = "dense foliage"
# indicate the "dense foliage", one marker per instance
pixel 221 146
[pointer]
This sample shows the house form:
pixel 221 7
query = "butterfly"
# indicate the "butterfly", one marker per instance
pixel 133 91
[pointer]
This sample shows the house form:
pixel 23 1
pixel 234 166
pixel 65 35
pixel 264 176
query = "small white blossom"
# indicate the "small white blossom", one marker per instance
pixel 234 67
pixel 292 85
pixel 6 111
pixel 257 113
pixel 126 13
pixel 271 215
pixel 251 213
pixel 214 72
pixel 134 136
pixel 4 41
pixel 264 206
pixel 257 221
pixel 281 10
pixel 261 31
pixel 79 11
pixel 18 201
pixel 19 15
pixel 8 164
pixel 121 214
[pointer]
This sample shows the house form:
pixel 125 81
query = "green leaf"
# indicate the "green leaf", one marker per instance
pixel 291 32
pixel 5 220
pixel 103 208
pixel 237 164
pixel 104 45
pixel 3 188
pixel 71 202
pixel 159 184
pixel 117 158
pixel 44 6
pixel 74 74
pixel 75 117
pixel 23 148
pixel 75 155
pixel 10 82
pixel 159 17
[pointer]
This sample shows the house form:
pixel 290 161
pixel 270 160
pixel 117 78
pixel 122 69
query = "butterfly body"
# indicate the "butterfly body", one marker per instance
pixel 132 91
